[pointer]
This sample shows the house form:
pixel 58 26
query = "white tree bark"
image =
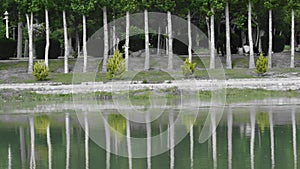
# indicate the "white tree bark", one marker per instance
pixel 212 41
pixel 228 50
pixel 86 141
pixel 252 139
pixel 148 126
pixel 189 37
pixel 107 141
pixel 47 37
pixel 147 54
pixel 66 65
pixel 170 48
pixel 229 135
pixel 20 38
pixel 270 40
pixel 208 33
pixel 84 44
pixel 30 37
pixel 32 143
pixel 294 128
pixel 251 57
pixel 106 46
pixel 114 35
pixel 293 40
pixel 127 40
pixel 158 41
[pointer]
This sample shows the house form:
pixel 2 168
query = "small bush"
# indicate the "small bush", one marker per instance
pixel 188 68
pixel 40 70
pixel 261 65
pixel 115 66
pixel 8 48
pixel 54 50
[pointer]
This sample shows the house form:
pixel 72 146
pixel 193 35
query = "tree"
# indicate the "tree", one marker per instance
pixel 29 7
pixel 292 6
pixel 228 46
pixel 106 46
pixel 83 7
pixel 251 56
pixel 270 4
pixel 168 6
pixel 63 5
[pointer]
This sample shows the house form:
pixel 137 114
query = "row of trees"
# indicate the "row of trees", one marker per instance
pixel 76 16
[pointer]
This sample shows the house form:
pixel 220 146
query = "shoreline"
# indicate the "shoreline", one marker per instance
pixel 271 84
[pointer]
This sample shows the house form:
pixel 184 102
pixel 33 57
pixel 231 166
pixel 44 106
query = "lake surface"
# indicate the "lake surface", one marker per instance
pixel 249 135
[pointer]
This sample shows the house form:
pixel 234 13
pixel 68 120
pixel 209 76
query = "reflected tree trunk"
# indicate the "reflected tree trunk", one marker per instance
pixel 67 125
pixel 128 136
pixel 49 148
pixel 172 137
pixel 192 145
pixel 272 138
pixel 32 144
pixel 294 127
pixel 214 139
pixel 229 134
pixel 9 157
pixel 86 141
pixel 22 147
pixel 252 121
pixel 148 126
pixel 107 139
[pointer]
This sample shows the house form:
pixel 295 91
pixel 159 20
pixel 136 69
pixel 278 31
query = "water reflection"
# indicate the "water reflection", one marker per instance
pixel 236 143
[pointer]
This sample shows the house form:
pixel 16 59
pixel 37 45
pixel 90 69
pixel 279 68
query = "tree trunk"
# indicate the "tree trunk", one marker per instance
pixel 105 28
pixel 114 36
pixel 127 40
pixel 47 37
pixel 293 40
pixel 158 41
pixel 270 40
pixel 190 37
pixel 170 48
pixel 147 54
pixel 251 57
pixel 228 50
pixel 30 25
pixel 212 41
pixel 84 44
pixel 208 33
pixel 66 66
pixel 20 38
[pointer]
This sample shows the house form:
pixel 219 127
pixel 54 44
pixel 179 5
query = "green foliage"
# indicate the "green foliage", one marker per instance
pixel 41 123
pixel 115 66
pixel 54 50
pixel 261 65
pixel 83 6
pixel 40 70
pixel 8 48
pixel 188 68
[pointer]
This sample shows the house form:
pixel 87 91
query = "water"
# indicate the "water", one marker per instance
pixel 249 135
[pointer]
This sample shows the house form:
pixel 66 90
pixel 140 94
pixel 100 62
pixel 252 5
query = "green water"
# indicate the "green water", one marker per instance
pixel 253 136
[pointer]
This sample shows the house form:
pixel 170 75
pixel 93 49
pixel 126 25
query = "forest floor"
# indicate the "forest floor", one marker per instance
pixel 15 71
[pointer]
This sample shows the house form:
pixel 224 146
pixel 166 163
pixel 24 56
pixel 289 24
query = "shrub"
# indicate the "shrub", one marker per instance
pixel 115 66
pixel 40 70
pixel 261 65
pixel 54 50
pixel 188 68
pixel 8 48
